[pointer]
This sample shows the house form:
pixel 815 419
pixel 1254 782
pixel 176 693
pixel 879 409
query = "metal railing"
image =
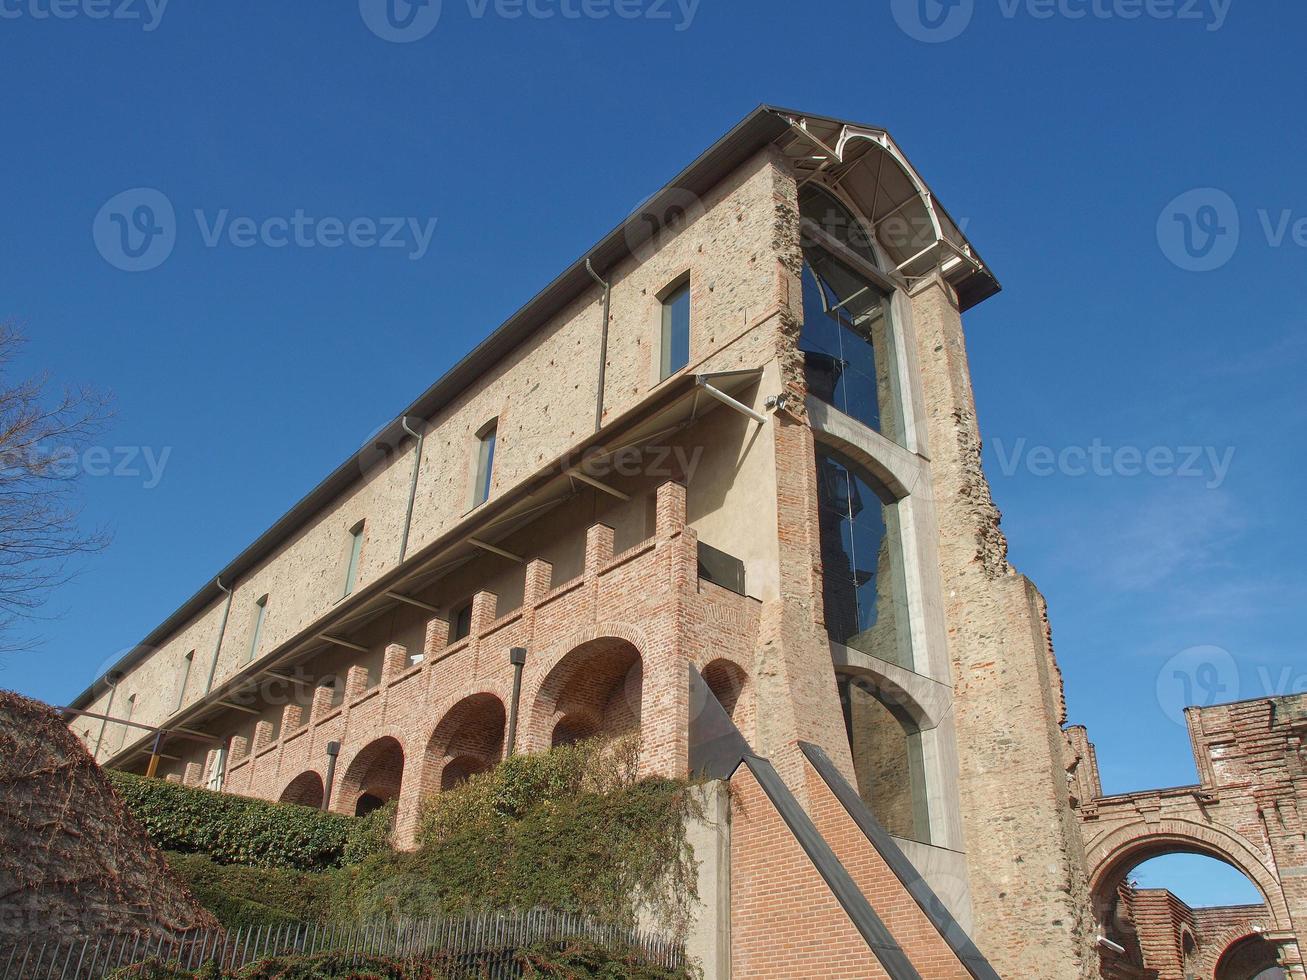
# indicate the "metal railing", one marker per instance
pixel 480 945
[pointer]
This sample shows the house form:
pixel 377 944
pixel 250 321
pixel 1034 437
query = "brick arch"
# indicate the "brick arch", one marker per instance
pixel 1112 855
pixel 1212 950
pixel 306 789
pixel 595 687
pixel 728 681
pixel 376 770
pixel 469 738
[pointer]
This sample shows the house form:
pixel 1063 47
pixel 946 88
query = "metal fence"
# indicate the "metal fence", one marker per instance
pixel 480 946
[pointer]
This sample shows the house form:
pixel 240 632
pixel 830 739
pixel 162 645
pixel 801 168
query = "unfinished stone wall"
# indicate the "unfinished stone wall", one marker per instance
pixel 74 865
pixel 1247 810
pixel 1024 854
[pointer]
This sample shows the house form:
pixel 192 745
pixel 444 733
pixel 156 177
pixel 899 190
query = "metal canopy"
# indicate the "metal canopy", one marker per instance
pixel 911 227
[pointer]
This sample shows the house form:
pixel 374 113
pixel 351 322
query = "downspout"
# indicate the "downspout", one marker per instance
pixel 112 680
pixel 412 486
pixel 333 750
pixel 603 344
pixel 517 657
pixel 222 629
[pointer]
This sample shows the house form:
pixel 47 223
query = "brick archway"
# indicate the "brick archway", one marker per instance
pixel 376 773
pixel 469 739
pixel 1238 958
pixel 595 689
pixel 306 789
pixel 1112 855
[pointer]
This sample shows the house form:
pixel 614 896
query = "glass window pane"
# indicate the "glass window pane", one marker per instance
pixel 486 466
pixel 676 331
pixel 829 214
pixel 847 342
pixel 887 759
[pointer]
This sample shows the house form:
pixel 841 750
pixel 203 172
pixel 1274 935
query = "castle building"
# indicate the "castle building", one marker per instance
pixel 719 483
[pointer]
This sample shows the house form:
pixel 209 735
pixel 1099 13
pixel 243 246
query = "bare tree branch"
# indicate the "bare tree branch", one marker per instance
pixel 42 435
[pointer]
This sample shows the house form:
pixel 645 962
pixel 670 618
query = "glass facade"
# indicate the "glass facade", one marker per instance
pixel 863 587
pixel 887 758
pixel 847 340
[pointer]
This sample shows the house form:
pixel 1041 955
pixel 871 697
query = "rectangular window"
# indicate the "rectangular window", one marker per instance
pixel 355 550
pixel 676 330
pixel 461 623
pixel 485 465
pixel 183 675
pixel 256 634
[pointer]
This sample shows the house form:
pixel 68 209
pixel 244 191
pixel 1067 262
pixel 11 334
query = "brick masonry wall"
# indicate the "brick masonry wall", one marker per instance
pixel 785 922
pixel 901 914
pixel 1247 810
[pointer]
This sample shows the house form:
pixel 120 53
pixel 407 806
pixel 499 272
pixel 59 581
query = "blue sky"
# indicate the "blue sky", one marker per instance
pixel 1064 143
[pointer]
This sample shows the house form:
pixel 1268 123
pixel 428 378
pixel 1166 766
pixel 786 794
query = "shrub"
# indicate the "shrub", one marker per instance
pixel 242 896
pixel 234 829
pixel 572 829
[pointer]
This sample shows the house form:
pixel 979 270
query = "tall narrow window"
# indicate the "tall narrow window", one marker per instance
pixel 256 634
pixel 848 335
pixel 676 330
pixel 888 760
pixel 355 550
pixel 864 589
pixel 485 464
pixel 183 675
pixel 460 624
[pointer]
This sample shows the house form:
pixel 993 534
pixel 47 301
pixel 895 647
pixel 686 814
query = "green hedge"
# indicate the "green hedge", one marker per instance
pixel 241 896
pixel 236 830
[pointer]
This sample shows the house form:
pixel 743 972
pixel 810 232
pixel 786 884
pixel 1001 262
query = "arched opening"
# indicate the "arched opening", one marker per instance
pixel 1169 905
pixel 1250 958
pixel 864 585
pixel 374 778
pixel 305 790
pixel 592 692
pixel 726 680
pixel 468 740
pixel 888 758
